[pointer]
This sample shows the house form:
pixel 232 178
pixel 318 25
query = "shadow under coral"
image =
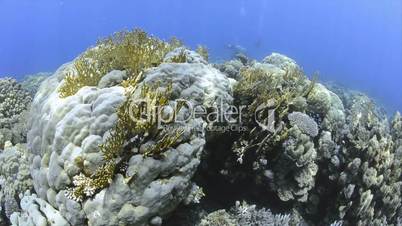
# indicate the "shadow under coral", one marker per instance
pixel 222 189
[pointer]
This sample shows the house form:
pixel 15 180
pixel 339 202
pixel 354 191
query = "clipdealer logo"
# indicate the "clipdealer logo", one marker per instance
pixel 264 116
pixel 220 118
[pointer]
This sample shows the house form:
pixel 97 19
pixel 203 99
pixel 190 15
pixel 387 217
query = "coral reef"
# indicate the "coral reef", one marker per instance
pixel 31 83
pixel 114 144
pixel 94 164
pixel 240 214
pixel 342 157
pixel 15 178
pixel 232 68
pixel 300 157
pixel 115 138
pixel 285 135
pixel 203 51
pixel 245 214
pixel 183 55
pixel 219 217
pixel 371 180
pixel 37 212
pixel 14 101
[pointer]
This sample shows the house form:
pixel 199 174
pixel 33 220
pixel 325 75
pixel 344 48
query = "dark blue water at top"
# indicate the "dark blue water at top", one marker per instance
pixel 357 43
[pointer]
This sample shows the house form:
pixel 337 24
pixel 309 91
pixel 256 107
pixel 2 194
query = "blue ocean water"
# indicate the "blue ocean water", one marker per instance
pixel 357 43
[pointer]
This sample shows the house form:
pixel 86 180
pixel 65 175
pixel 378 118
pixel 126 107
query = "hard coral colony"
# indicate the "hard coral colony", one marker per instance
pixel 332 157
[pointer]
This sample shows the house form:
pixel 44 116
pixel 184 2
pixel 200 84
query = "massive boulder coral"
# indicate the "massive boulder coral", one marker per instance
pixel 91 170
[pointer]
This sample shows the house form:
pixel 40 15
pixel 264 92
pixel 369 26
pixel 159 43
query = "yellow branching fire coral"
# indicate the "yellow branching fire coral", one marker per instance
pixel 252 90
pixel 203 51
pixel 132 51
pixel 180 58
pixel 88 74
pixel 114 149
pixel 168 140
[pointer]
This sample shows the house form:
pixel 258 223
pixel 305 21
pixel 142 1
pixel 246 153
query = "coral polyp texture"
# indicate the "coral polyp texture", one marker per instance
pixel 130 133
